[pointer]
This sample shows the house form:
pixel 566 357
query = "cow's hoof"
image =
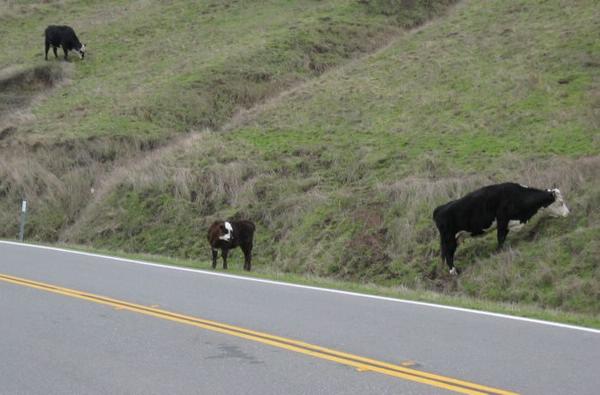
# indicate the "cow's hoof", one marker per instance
pixel 454 271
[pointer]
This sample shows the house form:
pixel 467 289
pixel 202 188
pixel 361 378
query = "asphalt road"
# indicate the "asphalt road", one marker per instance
pixel 68 341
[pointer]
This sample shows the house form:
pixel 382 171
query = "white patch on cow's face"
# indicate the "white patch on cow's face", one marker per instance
pixel 229 235
pixel 81 51
pixel 558 208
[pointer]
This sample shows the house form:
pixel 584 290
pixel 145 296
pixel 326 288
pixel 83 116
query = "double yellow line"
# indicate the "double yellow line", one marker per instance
pixel 358 362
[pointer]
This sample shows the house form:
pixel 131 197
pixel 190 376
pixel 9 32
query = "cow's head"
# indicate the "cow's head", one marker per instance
pixel 226 231
pixel 558 208
pixel 81 51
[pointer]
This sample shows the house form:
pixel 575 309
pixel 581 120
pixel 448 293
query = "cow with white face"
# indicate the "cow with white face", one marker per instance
pixel 503 207
pixel 558 208
pixel 225 235
pixel 227 231
pixel 64 37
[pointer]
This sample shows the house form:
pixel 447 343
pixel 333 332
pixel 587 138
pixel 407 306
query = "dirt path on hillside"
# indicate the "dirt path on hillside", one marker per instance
pixel 108 182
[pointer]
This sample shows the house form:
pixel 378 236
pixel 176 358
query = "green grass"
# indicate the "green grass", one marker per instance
pixel 337 151
pixel 190 67
pixel 463 90
pixel 155 71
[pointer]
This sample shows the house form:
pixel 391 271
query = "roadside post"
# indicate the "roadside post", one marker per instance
pixel 23 219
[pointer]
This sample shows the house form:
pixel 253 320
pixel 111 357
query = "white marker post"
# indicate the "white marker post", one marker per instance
pixel 23 218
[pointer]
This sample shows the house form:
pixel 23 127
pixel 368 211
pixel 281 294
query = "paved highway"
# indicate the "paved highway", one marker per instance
pixel 79 323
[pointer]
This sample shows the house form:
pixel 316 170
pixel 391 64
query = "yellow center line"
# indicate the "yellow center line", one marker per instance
pixel 360 363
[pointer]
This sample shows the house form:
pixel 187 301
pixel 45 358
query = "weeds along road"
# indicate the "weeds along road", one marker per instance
pixel 78 323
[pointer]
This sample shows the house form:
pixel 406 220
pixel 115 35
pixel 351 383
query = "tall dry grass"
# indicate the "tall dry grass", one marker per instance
pixel 413 238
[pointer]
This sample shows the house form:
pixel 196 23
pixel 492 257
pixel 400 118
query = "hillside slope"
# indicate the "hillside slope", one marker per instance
pixel 153 71
pixel 340 160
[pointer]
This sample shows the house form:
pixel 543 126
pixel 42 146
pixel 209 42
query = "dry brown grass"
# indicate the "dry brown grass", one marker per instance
pixel 137 167
pixel 412 200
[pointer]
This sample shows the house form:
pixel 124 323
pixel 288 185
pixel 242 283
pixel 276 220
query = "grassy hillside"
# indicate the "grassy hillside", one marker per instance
pixel 155 70
pixel 328 125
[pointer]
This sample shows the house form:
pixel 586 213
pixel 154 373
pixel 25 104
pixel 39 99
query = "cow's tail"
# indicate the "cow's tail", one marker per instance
pixel 436 216
pixel 438 225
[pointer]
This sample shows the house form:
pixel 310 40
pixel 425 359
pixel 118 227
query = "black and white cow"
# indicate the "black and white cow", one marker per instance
pixel 65 37
pixel 505 206
pixel 225 235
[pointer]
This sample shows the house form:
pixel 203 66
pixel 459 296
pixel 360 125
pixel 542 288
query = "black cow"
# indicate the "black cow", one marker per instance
pixel 65 37
pixel 225 235
pixel 505 206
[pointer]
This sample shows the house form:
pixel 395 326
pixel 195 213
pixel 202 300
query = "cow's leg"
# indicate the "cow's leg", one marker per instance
pixel 47 49
pixel 215 253
pixel 502 232
pixel 448 250
pixel 65 51
pixel 224 253
pixel 443 249
pixel 247 249
pixel 55 52
pixel 448 247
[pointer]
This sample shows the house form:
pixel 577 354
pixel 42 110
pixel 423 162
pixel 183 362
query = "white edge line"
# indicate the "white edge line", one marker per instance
pixel 336 291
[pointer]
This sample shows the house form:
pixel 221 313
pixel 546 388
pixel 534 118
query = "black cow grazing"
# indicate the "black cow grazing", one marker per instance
pixel 505 206
pixel 225 235
pixel 65 37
